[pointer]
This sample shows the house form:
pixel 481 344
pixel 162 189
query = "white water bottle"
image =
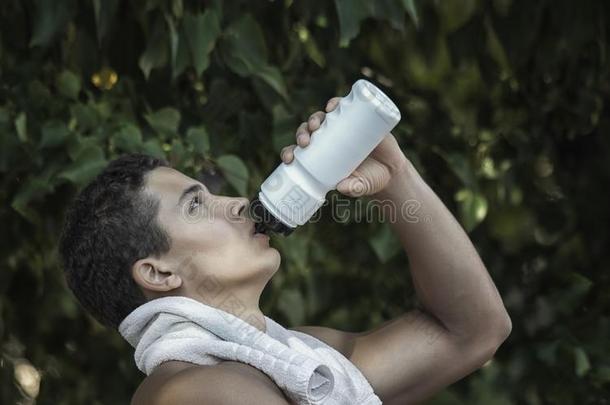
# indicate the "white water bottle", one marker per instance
pixel 294 192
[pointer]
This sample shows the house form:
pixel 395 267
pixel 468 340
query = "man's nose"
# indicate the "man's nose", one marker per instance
pixel 238 206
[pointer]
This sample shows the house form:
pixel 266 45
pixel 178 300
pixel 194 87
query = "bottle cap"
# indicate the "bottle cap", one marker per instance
pixel 264 221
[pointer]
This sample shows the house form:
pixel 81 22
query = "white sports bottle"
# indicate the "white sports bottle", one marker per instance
pixel 294 192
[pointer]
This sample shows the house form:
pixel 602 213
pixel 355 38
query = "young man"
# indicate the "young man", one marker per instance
pixel 132 235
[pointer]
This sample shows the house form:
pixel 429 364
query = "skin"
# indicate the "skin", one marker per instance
pixel 458 328
pixel 214 255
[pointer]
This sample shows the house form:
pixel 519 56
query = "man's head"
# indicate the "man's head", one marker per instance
pixel 142 230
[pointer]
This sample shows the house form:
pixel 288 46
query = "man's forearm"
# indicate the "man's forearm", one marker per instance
pixel 450 279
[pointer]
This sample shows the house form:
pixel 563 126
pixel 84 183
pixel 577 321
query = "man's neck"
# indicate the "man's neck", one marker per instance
pixel 243 304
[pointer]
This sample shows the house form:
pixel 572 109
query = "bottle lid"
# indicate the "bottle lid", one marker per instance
pixel 265 221
pixel 384 106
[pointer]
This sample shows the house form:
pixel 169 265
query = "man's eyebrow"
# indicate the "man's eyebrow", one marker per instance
pixel 195 188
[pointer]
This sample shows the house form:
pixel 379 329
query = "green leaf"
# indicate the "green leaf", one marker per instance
pixel 128 138
pixel 460 165
pixel 155 55
pixel 409 5
pixel 54 133
pixel 547 352
pixel 165 121
pixel 21 127
pixel 5 119
pixel 384 243
pixel 87 117
pixel 245 48
pixel 603 373
pixel 581 362
pixel 39 94
pixel 351 13
pixel 198 137
pixel 177 8
pixel 272 76
pixel 292 305
pixel 180 51
pixel 153 147
pixel 245 52
pixel 49 18
pixel 8 142
pixel 495 48
pixel 34 188
pixel 579 284
pixel 473 208
pixel 235 172
pixel 283 127
pixel 454 14
pixel 388 10
pixel 88 163
pixel 105 15
pixel 177 153
pixel 174 41
pixel 201 31
pixel 311 47
pixel 76 145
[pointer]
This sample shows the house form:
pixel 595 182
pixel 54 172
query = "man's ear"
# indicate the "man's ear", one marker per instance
pixel 149 274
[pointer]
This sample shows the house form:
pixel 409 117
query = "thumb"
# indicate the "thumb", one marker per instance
pixel 352 186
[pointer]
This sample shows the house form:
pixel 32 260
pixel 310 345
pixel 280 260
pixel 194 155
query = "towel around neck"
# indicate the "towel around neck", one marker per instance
pixel 306 369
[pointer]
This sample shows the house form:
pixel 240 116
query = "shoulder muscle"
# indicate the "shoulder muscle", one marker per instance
pixel 226 383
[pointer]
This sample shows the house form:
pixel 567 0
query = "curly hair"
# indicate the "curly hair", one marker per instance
pixel 109 226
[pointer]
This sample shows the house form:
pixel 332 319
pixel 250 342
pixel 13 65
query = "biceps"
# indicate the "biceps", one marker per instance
pixel 412 357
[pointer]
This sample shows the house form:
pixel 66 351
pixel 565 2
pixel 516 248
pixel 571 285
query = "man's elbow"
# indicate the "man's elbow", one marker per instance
pixel 501 326
pixel 498 329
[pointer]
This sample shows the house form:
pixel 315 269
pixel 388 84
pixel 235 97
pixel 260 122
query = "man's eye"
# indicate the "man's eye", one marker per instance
pixel 194 204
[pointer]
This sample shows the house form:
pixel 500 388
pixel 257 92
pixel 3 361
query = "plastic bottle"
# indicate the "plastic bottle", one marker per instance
pixel 294 192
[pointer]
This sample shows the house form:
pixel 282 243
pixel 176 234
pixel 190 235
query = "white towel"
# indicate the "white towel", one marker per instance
pixel 306 369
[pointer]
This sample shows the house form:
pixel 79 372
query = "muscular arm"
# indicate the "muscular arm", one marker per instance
pixel 450 280
pixel 462 320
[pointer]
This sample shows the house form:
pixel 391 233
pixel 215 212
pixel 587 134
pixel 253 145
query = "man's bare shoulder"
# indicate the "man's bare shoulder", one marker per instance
pixel 340 340
pixel 228 382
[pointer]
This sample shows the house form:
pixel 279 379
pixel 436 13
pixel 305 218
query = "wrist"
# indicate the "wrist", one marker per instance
pixel 403 168
pixel 401 175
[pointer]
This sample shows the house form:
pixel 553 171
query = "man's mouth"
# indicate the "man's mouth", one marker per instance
pixel 257 230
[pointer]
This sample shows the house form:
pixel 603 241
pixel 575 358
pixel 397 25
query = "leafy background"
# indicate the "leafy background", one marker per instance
pixel 505 112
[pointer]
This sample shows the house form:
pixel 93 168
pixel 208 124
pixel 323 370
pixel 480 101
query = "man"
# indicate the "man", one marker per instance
pixel 133 235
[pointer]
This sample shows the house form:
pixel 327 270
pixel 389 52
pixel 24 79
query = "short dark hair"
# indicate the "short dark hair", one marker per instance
pixel 109 226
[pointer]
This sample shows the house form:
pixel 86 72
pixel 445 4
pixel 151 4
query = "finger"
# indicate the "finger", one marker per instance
pixel 315 120
pixel 287 153
pixel 302 135
pixel 332 104
pixel 352 186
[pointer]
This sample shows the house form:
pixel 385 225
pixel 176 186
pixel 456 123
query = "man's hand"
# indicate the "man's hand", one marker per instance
pixel 385 162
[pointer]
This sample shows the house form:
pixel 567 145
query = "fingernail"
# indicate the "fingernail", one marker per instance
pixel 301 139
